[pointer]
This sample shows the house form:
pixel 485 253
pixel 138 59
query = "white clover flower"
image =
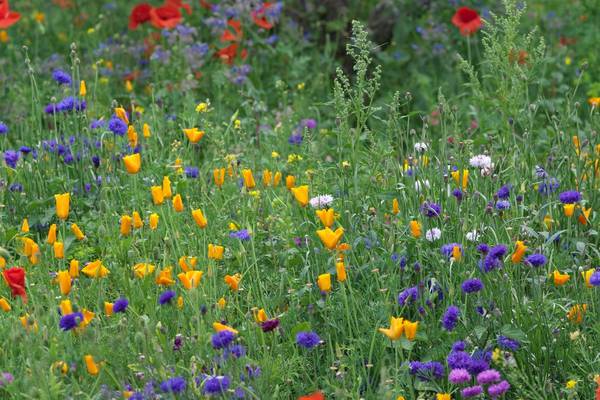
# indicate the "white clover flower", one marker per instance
pixel 472 236
pixel 421 147
pixel 481 161
pixel 321 201
pixel 433 234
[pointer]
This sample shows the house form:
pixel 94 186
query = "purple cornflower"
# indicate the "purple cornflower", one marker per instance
pixel 498 389
pixel 166 297
pixel 269 325
pixel 97 123
pixel 595 278
pixel 450 318
pixel 458 194
pixel 222 339
pixel 308 123
pixel 216 384
pixel 117 126
pixel 569 197
pixel 242 234
pixel 11 158
pixel 61 77
pixel 503 192
pixel 502 205
pixel 535 260
pixel 426 371
pixel 458 376
pixel 458 359
pixel 6 378
pixel 173 385
pixel 408 295
pixel 237 351
pixel 498 251
pixel 70 321
pixel 507 343
pixel 471 391
pixel 307 340
pixel 483 248
pixel 471 285
pixel 120 305
pixel 295 138
pixel 459 346
pixel 192 172
pixel 488 376
pixel 3 128
pixel 431 209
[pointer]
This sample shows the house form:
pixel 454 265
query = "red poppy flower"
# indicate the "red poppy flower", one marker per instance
pixel 7 17
pixel 233 36
pixel 165 17
pixel 15 278
pixel 318 395
pixel 179 4
pixel 139 15
pixel 467 20
pixel 258 16
pixel 227 54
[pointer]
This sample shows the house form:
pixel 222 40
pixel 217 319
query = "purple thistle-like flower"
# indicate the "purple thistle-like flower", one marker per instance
pixel 214 385
pixel 173 385
pixel 6 378
pixel 61 77
pixel 458 376
pixel 307 340
pixel 498 251
pixel 471 391
pixel 70 321
pixel 308 123
pixel 471 285
pixel 459 346
pixel 269 325
pixel 535 260
pixel 503 192
pixel 498 389
pixel 50 108
pixel 507 343
pixel 431 209
pixel 166 297
pixel 222 339
pixel 570 197
pixel 488 376
pixel 426 371
pixel 120 305
pixel 450 318
pixel 408 296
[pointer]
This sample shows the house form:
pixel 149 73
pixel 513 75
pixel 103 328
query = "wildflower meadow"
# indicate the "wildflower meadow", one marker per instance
pixel 298 199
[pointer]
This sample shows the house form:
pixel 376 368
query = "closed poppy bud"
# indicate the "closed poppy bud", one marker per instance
pixel 187 263
pixel 276 179
pixel 132 136
pixel 193 134
pixel 410 329
pixel 587 275
pixel 215 252
pixel 569 209
pixel 74 268
pixel 122 114
pixel 326 216
pixel 301 194
pixel 65 307
pixel 180 302
pixel 92 367
pixel 415 229
pixel 584 217
pixel 4 305
pixel 146 131
pixel 219 176
pixel 137 220
pixel 153 221
pixel 128 86
pixel 519 252
pixel 178 203
pixel 108 308
pixel 133 163
pixel 233 281
pixel 290 181
pixel 166 187
pixel 77 232
pixel 340 271
pixel 51 234
pixel 157 195
pixel 199 218
pixel 82 89
pixel 2 262
pixel 456 253
pixel 548 222
pixel 64 282
pixel 267 177
pixel 395 207
pixel 248 179
pixel 330 238
pixel 142 269
pixel 164 277
pixel 59 250
pixel 126 222
pixel 25 226
pixel 465 177
pixel 324 282
pixel 221 303
pixel 559 278
pixel 34 258
pixel 260 316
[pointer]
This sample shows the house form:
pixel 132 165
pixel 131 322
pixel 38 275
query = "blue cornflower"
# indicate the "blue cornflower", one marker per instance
pixel 117 126
pixel 242 234
pixel 502 205
pixel 11 158
pixel 458 358
pixel 570 197
pixel 450 318
pixel 70 321
pixel 192 172
pixel 408 295
pixel 237 351
pixel 173 385
pixel 431 209
pixel 61 77
pixel 120 305
pixel 295 138
pixel 166 297
pixel 97 123
pixel 3 128
pixel 426 371
pixel 216 384
pixel 458 194
pixel 535 260
pixel 307 340
pixel 503 192
pixel 507 343
pixel 471 285
pixel 222 339
pixel 595 278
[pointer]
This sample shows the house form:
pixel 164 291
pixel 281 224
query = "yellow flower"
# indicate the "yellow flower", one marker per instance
pixel 277 179
pixel 166 187
pixel 77 232
pixel 92 367
pixel 199 218
pixel 260 316
pixel 64 282
pixel 576 313
pixel 128 86
pixel 293 158
pixel 394 332
pixel 233 281
pixel 340 271
pixel 82 89
pixel 326 216
pixel 221 303
pixel 146 131
pixel 594 101
pixel 400 398
pixel 193 134
pixel 571 383
pixel 560 279
pixel 29 323
pixel 274 154
pixel 51 234
pixel 569 209
pixel 301 194
pixel 132 136
pixel 248 179
pixel 59 250
pixel 465 177
pixel 202 107
pixel 218 327
pixel 443 396
pixel 153 221
pixel 126 222
pixel 164 277
pixel 395 207
pixel 178 203
pixel 25 226
pixel 267 177
pixel 4 305
pixel 587 275
pixel 157 195
pixel 330 238
pixel 496 355
pixel 519 252
pixel 415 229
pixel 62 205
pixel 456 253
pixel 410 329
pixel 290 181
pixel 190 279
pixel 219 176
pixel 122 114
pixel 108 308
pixel 140 270
pixel 183 263
pixel 215 252
pixel 237 124
pixel 133 163
pixel 65 307
pixel 301 86
pixel 3 36
pixel 548 221
pixel 180 302
pixel 324 282
pixel 584 217
pixel 95 269
pixel 74 268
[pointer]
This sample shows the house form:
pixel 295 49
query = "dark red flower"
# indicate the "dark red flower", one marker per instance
pixel 205 4
pixel 269 325
pixel 467 21
pixel 139 15
pixel 7 18
pixel 165 17
pixel 258 16
pixel 15 278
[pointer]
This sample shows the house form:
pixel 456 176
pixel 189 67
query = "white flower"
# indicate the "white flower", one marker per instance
pixel 472 236
pixel 419 185
pixel 481 161
pixel 421 147
pixel 321 201
pixel 433 234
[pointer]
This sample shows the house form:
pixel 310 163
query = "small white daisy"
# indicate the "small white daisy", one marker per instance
pixel 321 201
pixel 481 161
